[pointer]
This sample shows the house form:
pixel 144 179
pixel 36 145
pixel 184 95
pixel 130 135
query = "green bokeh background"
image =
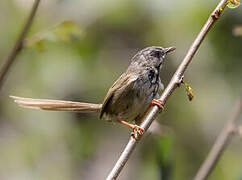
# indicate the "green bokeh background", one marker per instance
pixel 60 145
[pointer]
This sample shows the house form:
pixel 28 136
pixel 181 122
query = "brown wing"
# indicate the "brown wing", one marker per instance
pixel 121 84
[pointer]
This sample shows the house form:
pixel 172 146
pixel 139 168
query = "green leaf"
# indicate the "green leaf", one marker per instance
pixel 66 31
pixel 233 4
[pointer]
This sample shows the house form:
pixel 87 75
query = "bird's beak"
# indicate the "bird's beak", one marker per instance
pixel 169 49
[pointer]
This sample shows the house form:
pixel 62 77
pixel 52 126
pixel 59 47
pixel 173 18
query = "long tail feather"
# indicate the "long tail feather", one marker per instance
pixel 56 105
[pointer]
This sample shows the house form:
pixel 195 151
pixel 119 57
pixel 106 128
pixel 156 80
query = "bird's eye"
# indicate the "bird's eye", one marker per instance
pixel 157 54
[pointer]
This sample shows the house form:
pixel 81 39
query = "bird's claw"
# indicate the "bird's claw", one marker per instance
pixel 137 130
pixel 158 103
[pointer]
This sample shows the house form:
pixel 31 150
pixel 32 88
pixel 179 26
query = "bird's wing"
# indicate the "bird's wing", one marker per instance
pixel 121 85
pixel 56 105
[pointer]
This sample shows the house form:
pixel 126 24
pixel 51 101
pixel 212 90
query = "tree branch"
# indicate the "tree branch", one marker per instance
pixel 19 43
pixel 173 84
pixel 220 144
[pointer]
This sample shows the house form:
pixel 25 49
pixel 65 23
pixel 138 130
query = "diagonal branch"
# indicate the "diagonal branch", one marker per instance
pixel 220 144
pixel 173 84
pixel 19 43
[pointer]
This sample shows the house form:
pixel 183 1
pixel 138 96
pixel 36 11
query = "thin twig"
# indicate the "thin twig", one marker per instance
pixel 220 144
pixel 19 43
pixel 173 84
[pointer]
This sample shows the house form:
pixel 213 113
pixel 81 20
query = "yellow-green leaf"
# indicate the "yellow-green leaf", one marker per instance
pixel 189 91
pixel 66 32
pixel 233 4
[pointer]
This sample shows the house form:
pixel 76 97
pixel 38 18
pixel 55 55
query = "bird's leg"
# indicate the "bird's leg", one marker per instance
pixel 135 128
pixel 158 103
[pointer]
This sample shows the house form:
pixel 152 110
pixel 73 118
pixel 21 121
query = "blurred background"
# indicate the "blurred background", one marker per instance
pixel 75 50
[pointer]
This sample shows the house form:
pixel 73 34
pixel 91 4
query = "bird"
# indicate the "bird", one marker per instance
pixel 128 99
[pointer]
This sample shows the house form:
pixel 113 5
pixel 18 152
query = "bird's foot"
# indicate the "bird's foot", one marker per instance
pixel 136 130
pixel 158 103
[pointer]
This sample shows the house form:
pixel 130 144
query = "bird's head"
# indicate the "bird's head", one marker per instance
pixel 151 56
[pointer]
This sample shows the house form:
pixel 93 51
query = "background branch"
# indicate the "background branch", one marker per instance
pixel 220 144
pixel 19 43
pixel 173 84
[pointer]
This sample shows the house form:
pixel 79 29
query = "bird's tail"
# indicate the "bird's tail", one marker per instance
pixel 56 105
